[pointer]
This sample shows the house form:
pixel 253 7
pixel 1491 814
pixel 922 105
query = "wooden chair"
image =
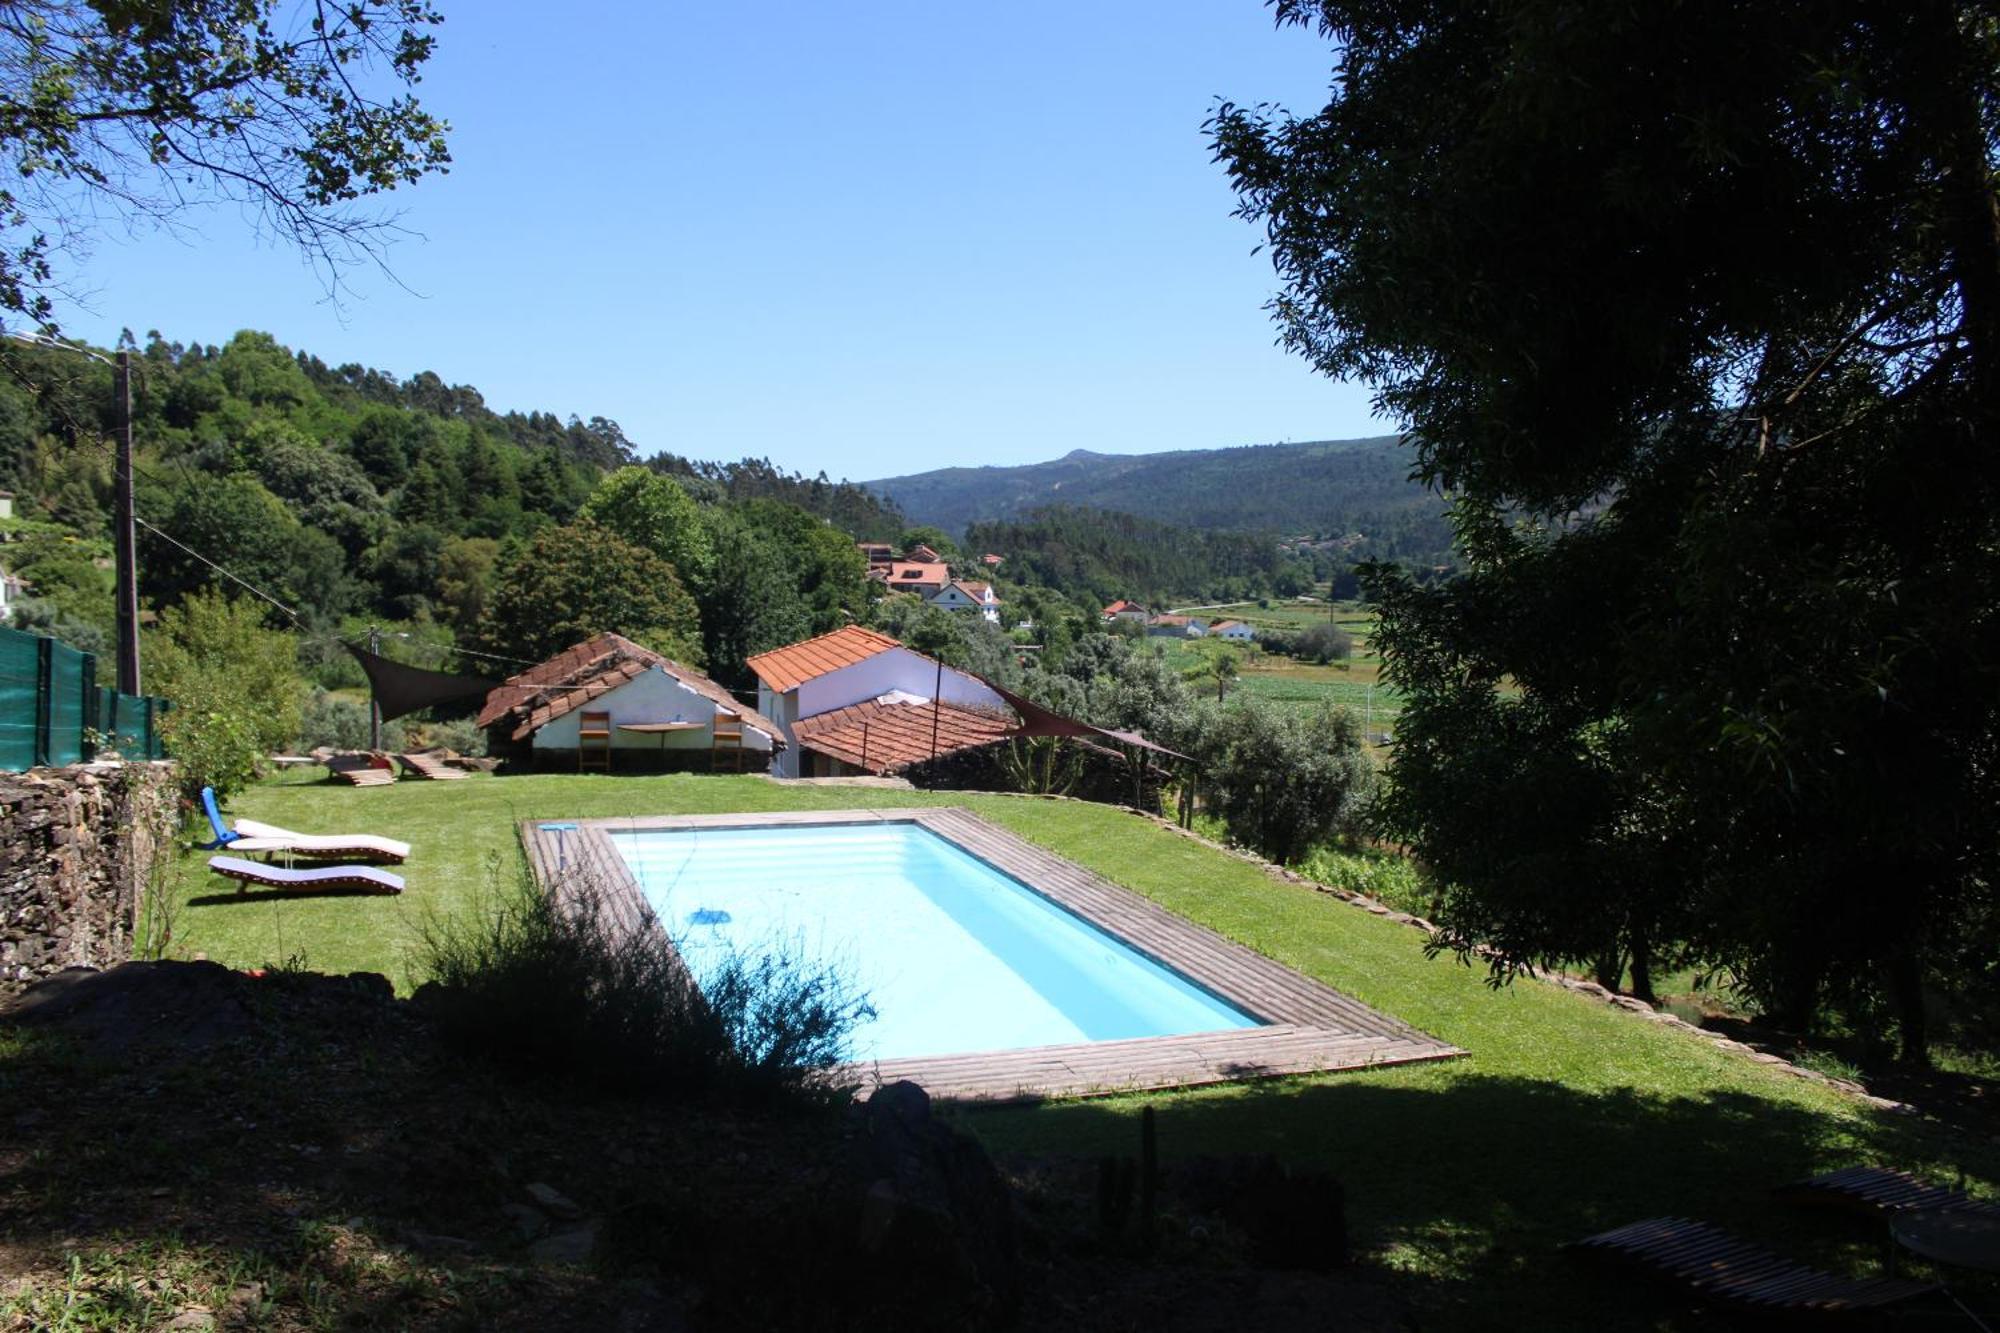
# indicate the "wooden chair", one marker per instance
pixel 593 741
pixel 726 738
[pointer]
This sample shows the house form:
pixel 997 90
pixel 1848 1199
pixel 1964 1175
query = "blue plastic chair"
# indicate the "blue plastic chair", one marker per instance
pixel 223 836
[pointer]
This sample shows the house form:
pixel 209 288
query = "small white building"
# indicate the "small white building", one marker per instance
pixel 11 590
pixel 1124 610
pixel 1174 627
pixel 1233 630
pixel 962 595
pixel 657 711
pixel 857 700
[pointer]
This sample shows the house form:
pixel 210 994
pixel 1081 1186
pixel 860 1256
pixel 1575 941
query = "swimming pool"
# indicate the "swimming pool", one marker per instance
pixel 954 955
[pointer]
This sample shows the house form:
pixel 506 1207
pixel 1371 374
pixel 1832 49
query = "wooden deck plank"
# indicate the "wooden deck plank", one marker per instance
pixel 1306 1027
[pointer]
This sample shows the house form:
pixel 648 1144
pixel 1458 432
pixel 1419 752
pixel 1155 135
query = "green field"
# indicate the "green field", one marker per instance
pixel 1462 1179
pixel 1354 684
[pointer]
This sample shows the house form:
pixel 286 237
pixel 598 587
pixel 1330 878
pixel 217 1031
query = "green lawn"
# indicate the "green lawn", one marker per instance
pixel 1568 1117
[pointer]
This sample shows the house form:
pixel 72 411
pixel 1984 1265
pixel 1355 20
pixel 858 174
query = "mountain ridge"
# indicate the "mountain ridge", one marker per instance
pixel 1321 487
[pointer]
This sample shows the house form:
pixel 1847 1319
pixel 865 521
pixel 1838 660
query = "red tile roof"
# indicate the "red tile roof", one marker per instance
pixel 882 737
pixel 590 670
pixel 1122 605
pixel 919 571
pixel 787 668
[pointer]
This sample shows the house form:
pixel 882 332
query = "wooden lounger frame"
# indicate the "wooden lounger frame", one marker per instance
pixel 1879 1191
pixel 1726 1269
pixel 327 879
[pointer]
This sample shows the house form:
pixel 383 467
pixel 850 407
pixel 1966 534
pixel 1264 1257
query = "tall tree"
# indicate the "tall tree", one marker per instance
pixel 1698 310
pixel 570 583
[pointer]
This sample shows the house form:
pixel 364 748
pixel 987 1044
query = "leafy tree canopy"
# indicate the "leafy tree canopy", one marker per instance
pixel 570 583
pixel 1698 310
pixel 142 108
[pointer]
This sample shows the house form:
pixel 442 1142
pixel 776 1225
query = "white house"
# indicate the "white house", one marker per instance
pixel 961 595
pixel 923 578
pixel 1124 610
pixel 1174 627
pixel 858 701
pixel 10 592
pixel 658 709
pixel 1233 630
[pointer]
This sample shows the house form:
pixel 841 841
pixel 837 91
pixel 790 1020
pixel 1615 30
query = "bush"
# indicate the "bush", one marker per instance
pixel 550 985
pixel 234 686
pixel 1384 876
pixel 1286 784
pixel 1324 643
pixel 461 735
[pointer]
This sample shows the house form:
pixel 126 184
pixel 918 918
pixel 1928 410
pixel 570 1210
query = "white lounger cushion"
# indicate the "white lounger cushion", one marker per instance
pixel 270 838
pixel 278 877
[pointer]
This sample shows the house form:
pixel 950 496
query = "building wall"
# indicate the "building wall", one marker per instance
pixel 896 669
pixel 653 697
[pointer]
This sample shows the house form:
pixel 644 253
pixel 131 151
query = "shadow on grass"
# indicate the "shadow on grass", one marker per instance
pixel 1469 1185
pixel 280 895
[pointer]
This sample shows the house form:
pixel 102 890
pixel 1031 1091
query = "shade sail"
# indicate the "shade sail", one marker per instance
pixel 400 688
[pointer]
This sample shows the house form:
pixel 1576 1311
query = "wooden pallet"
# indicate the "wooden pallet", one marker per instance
pixel 430 766
pixel 1878 1190
pixel 362 770
pixel 1724 1268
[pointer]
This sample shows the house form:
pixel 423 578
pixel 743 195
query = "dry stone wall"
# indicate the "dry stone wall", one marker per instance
pixel 77 850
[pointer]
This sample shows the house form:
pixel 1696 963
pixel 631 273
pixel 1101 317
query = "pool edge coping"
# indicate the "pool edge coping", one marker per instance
pixel 1305 1025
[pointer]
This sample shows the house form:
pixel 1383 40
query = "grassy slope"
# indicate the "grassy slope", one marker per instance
pixel 1569 1116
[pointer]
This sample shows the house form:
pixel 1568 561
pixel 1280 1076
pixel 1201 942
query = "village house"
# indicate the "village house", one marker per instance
pixel 962 595
pixel 1235 631
pixel 1124 610
pixel 922 578
pixel 877 554
pixel 610 703
pixel 1174 627
pixel 923 554
pixel 859 701
pixel 11 591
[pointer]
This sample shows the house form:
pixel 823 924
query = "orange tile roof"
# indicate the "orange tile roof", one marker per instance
pixel 882 737
pixel 919 571
pixel 590 670
pixel 787 668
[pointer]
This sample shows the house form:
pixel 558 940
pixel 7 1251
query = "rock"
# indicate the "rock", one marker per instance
pixel 553 1201
pixel 935 1217
pixel 566 1247
pixel 196 1320
pixel 529 1222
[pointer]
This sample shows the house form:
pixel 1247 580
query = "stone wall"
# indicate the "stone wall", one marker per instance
pixel 77 850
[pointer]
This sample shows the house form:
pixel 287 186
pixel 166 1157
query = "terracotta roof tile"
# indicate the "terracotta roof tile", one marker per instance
pixel 590 670
pixel 787 668
pixel 883 737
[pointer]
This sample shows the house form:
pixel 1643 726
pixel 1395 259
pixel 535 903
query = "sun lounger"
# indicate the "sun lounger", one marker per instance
pixel 326 879
pixel 362 770
pixel 251 836
pixel 1879 1190
pixel 430 766
pixel 1723 1268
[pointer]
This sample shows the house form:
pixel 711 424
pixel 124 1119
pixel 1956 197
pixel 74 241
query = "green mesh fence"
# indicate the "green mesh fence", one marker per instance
pixel 52 710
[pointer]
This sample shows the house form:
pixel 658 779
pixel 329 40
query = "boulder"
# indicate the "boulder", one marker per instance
pixel 933 1211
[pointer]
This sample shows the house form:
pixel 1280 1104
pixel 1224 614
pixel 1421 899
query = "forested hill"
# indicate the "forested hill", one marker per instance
pixel 1325 487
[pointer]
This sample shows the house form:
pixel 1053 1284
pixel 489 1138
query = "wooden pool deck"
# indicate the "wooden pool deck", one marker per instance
pixel 1307 1027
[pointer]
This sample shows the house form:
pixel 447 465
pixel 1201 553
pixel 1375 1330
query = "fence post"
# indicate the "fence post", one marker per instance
pixel 45 665
pixel 86 713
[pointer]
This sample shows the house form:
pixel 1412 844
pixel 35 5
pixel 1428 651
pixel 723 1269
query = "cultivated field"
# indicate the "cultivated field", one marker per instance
pixel 1354 684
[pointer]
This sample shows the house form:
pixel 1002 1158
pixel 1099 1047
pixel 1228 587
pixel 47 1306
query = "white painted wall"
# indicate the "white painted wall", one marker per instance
pixel 896 669
pixel 652 697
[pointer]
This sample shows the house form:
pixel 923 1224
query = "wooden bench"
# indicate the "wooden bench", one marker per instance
pixel 1879 1191
pixel 431 767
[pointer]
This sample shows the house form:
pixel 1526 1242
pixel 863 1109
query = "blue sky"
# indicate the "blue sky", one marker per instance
pixel 872 238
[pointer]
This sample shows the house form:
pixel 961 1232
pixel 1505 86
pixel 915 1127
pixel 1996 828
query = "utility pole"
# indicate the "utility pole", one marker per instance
pixel 374 704
pixel 128 568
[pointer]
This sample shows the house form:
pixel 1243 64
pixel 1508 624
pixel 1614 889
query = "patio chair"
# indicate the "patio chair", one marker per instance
pixel 593 741
pixel 1714 1265
pixel 726 738
pixel 251 836
pixel 326 879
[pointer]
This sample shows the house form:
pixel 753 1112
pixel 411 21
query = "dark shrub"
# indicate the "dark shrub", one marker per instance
pixel 555 984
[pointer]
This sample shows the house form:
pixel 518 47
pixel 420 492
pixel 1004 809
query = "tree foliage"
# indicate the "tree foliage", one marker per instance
pixel 570 583
pixel 142 108
pixel 1699 312
pixel 234 686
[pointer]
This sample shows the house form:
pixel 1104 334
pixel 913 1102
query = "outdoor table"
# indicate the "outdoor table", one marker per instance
pixel 1965 1238
pixel 660 729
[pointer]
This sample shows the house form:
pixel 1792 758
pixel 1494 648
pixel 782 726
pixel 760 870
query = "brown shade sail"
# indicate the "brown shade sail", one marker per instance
pixel 400 688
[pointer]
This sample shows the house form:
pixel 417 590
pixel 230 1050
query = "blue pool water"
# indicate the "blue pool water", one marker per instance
pixel 953 955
